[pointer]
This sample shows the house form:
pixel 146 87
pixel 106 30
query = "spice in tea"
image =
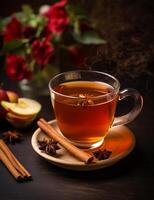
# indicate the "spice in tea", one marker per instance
pixel 85 110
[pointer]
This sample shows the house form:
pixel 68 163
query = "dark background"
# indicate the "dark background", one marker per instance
pixel 127 25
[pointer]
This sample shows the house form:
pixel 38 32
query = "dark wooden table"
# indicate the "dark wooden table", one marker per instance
pixel 131 178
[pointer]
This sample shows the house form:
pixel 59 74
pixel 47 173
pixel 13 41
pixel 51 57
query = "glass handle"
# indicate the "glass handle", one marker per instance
pixel 138 103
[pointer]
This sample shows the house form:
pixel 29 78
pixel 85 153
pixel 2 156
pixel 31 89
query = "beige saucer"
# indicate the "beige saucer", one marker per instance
pixel 120 141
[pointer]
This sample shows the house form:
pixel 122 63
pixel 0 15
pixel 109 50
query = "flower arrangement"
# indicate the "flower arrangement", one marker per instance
pixel 33 42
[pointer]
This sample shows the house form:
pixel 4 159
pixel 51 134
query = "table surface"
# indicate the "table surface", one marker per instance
pixel 131 178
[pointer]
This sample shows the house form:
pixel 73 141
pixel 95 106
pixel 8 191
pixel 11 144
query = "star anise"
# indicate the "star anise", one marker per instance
pixel 102 154
pixel 48 146
pixel 12 137
pixel 84 100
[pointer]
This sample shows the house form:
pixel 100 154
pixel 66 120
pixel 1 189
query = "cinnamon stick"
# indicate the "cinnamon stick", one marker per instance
pixel 6 150
pixel 9 166
pixel 13 160
pixel 51 132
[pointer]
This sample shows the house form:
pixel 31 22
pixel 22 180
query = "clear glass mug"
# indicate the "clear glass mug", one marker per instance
pixel 85 103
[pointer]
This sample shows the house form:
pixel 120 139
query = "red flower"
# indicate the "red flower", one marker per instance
pixel 77 55
pixel 16 68
pixel 58 18
pixel 42 51
pixel 13 30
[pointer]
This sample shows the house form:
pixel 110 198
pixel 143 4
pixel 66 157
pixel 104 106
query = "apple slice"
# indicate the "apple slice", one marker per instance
pixel 20 123
pixel 13 116
pixel 24 107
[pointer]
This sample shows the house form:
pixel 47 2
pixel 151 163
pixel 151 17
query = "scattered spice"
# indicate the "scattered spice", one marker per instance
pixel 102 154
pixel 12 137
pixel 48 146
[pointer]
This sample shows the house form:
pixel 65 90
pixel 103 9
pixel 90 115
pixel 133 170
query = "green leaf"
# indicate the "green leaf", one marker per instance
pixel 33 22
pixel 89 37
pixel 40 25
pixel 13 45
pixel 77 27
pixel 21 17
pixel 5 21
pixel 27 10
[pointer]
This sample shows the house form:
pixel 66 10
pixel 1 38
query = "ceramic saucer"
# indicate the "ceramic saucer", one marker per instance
pixel 120 141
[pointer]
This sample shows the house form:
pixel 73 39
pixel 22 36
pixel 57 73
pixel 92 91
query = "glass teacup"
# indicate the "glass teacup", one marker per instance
pixel 85 103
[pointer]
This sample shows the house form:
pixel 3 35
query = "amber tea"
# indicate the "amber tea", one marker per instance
pixel 87 115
